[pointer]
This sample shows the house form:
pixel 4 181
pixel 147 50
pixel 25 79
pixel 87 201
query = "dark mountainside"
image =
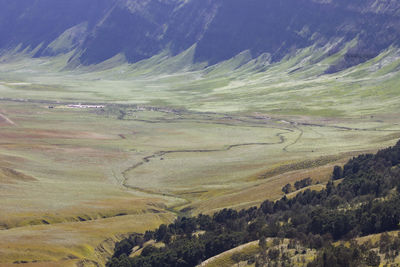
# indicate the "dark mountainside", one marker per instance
pixel 221 29
pixel 34 22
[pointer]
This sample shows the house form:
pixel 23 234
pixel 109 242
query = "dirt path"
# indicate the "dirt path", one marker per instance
pixel 227 148
pixel 5 118
pixel 301 132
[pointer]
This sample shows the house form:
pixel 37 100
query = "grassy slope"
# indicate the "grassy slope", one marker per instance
pixel 294 86
pixel 89 241
pixel 252 249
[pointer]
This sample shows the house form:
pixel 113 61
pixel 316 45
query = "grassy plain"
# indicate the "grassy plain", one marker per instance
pixel 172 138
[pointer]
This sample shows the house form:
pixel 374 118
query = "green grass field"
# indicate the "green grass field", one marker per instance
pixel 171 138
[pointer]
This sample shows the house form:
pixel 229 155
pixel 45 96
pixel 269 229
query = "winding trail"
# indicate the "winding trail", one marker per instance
pixel 255 121
pixel 163 153
pixel 285 149
pixel 248 121
pixel 159 154
pixel 197 117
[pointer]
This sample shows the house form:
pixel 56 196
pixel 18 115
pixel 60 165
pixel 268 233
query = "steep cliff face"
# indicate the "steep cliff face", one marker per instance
pixel 141 29
pixel 220 29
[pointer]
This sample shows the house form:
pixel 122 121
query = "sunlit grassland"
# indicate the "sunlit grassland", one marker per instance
pixel 61 243
pixel 173 138
pixel 225 259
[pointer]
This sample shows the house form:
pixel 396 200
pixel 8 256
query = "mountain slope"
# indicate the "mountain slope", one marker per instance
pixel 221 29
pixel 31 23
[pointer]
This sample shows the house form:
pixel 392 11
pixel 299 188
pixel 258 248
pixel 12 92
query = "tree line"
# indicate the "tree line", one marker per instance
pixel 366 201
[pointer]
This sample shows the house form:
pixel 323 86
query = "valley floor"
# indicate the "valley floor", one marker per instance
pixel 73 181
pixel 91 154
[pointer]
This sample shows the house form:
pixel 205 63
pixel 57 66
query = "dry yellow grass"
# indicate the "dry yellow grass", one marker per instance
pixel 72 242
pixel 262 189
pixel 224 259
pixel 252 249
